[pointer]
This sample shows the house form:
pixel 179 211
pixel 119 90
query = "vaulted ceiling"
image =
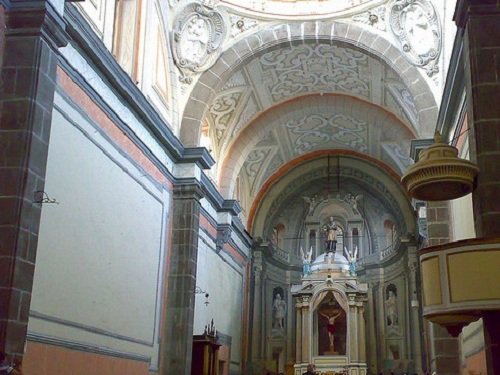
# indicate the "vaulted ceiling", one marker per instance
pixel 272 103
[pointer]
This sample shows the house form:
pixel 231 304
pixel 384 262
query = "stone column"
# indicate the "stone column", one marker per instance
pixel 177 335
pixel 414 312
pixel 480 20
pixel 438 223
pixel 444 353
pixel 257 306
pixel 361 333
pixel 31 34
pixel 371 330
pixel 298 330
pixel 353 326
pixel 306 331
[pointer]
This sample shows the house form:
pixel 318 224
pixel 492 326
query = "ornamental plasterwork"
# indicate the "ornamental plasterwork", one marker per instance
pixel 250 109
pixel 405 100
pixel 314 131
pixel 277 8
pixel 222 111
pixel 236 80
pixel 255 166
pixel 241 24
pixel 374 17
pixel 355 201
pixel 198 34
pixel 397 155
pixel 315 68
pixel 416 25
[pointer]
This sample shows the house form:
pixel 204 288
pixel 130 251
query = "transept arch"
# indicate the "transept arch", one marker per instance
pixel 364 174
pixel 290 35
pixel 318 122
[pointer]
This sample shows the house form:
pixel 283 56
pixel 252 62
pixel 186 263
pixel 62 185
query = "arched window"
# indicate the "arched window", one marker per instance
pixel 280 235
pixel 355 238
pixel 312 240
pixel 390 233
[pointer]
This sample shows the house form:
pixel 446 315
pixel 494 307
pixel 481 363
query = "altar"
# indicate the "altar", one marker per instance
pixel 330 321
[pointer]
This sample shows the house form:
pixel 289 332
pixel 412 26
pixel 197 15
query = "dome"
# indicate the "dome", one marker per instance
pixel 324 263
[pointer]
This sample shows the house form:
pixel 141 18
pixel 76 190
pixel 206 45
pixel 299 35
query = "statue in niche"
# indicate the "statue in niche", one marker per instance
pixel 391 307
pixel 351 258
pixel 279 311
pixel 331 235
pixel 331 328
pixel 306 261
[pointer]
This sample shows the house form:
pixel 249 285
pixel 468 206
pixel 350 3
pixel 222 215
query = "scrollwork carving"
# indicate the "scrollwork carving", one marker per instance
pixel 415 23
pixel 197 36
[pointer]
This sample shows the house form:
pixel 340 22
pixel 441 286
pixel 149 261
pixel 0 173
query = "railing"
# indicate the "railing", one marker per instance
pixel 280 254
pixel 390 250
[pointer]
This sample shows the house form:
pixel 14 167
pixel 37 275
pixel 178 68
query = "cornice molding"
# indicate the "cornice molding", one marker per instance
pixel 452 103
pixel 94 49
pixel 35 18
pixel 465 8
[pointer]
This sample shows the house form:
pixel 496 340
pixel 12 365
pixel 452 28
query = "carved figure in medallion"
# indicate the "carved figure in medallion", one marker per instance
pixel 198 34
pixel 416 25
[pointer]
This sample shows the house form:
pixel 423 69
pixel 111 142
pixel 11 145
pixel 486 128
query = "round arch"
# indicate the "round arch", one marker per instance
pixel 293 175
pixel 289 34
pixel 256 130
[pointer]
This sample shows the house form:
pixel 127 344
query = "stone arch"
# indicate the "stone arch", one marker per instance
pixel 285 34
pixel 295 169
pixel 256 130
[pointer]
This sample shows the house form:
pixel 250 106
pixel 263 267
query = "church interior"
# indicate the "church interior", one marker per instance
pixel 249 187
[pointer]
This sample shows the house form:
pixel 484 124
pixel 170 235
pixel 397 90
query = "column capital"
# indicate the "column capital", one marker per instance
pixel 465 8
pixel 191 189
pixel 38 18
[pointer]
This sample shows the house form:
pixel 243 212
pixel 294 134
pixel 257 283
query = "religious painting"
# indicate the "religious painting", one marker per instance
pixel 332 327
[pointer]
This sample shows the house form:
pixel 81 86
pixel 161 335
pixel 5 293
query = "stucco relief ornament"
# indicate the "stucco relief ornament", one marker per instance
pixel 374 17
pixel 199 31
pixel 415 23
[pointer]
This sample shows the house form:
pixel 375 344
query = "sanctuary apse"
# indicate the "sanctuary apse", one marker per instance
pixel 214 187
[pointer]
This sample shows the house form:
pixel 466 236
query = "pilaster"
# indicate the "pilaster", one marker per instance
pixel 33 31
pixel 298 330
pixel 257 306
pixel 306 331
pixel 480 20
pixel 177 335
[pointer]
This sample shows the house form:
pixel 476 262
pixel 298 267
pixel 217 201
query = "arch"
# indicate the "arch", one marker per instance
pixel 248 138
pixel 295 169
pixel 289 34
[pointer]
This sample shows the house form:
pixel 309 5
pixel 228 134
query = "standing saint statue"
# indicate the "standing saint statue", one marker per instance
pixel 331 235
pixel 331 316
pixel 391 306
pixel 279 311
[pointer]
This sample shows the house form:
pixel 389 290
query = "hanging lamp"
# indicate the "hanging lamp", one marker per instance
pixel 440 174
